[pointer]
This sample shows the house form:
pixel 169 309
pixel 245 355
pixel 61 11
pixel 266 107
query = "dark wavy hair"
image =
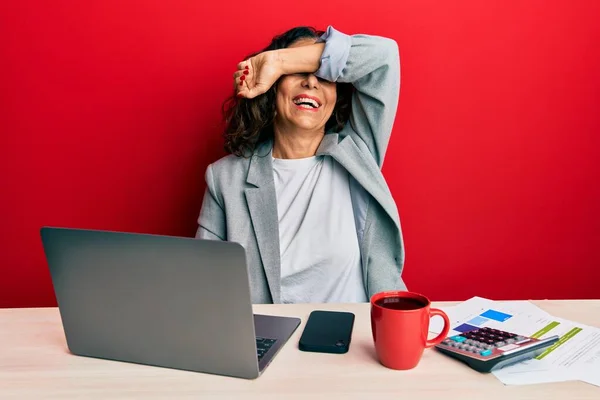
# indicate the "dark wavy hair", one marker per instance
pixel 249 122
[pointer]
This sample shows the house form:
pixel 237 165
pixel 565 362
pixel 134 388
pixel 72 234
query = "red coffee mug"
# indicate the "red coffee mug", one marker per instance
pixel 400 324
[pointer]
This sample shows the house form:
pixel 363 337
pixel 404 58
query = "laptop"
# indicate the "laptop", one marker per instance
pixel 165 301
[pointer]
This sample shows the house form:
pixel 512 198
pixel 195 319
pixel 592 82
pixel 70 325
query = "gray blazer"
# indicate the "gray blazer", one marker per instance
pixel 240 204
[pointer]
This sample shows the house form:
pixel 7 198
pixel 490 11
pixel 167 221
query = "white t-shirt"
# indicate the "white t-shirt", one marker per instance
pixel 320 254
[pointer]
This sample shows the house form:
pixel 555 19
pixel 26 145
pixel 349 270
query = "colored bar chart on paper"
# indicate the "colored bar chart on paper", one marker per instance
pixel 496 315
pixel 545 330
pixel 560 342
pixel 483 319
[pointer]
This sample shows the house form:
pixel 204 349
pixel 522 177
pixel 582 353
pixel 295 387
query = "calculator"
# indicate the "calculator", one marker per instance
pixel 486 349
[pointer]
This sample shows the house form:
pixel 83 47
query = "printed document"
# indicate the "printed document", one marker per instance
pixel 576 356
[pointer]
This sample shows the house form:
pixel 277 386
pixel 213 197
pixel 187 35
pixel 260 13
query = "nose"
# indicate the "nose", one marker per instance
pixel 310 82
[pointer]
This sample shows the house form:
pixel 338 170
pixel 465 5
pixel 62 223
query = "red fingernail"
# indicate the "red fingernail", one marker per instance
pixel 246 72
pixel 241 83
pixel 246 67
pixel 240 95
pixel 242 77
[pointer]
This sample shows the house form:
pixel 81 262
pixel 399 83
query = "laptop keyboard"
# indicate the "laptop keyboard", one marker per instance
pixel 263 345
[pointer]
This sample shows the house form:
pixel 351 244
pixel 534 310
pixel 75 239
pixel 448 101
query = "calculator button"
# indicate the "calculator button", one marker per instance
pixel 458 339
pixel 510 341
pixel 500 344
pixel 486 352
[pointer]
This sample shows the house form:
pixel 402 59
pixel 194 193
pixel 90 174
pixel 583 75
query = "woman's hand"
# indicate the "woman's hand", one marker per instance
pixel 257 74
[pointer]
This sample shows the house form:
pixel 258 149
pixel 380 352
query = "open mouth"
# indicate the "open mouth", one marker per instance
pixel 307 102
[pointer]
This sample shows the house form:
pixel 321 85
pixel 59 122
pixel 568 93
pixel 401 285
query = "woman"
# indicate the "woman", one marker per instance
pixel 302 189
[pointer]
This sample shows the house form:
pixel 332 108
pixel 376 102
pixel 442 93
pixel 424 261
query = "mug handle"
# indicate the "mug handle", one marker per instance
pixel 438 339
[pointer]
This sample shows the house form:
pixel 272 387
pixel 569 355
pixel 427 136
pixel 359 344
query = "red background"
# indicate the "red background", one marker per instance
pixel 110 112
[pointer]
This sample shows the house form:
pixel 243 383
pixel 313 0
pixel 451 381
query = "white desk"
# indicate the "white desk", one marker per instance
pixel 35 363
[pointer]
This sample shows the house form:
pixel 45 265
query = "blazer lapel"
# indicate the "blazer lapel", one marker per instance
pixel 262 204
pixel 363 169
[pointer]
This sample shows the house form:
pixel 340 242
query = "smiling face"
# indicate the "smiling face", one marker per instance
pixel 303 101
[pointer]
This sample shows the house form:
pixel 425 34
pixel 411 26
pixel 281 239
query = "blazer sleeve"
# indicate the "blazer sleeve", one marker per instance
pixel 372 65
pixel 211 222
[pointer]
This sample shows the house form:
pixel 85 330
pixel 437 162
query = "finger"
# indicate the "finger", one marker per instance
pixel 239 74
pixel 241 80
pixel 243 91
pixel 244 65
pixel 241 86
pixel 238 77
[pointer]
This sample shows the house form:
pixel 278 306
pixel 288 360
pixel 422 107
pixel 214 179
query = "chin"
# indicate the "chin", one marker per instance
pixel 307 127
pixel 306 124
